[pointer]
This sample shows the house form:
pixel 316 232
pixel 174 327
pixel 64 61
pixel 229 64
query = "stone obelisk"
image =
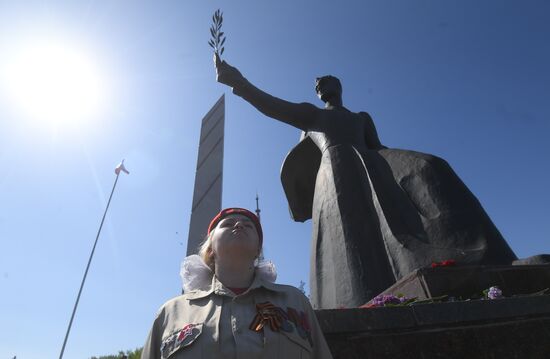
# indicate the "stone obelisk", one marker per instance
pixel 207 195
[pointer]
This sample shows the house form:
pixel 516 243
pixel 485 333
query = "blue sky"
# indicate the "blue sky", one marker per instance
pixel 465 80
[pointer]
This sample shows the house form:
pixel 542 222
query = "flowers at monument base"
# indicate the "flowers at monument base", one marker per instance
pixel 493 293
pixel 382 300
pixel 388 300
pixel 445 263
pixel 399 300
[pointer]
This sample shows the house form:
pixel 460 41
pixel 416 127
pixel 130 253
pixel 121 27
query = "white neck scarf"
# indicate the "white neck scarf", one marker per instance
pixel 195 274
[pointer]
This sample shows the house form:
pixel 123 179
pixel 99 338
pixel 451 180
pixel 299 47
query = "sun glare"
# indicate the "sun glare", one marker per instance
pixel 54 83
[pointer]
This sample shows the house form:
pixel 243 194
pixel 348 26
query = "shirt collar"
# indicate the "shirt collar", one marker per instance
pixel 218 288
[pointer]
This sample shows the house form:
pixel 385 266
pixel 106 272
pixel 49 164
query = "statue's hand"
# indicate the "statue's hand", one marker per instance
pixel 227 74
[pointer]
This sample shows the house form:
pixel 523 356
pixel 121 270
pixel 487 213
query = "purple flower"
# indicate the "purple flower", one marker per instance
pixel 494 293
pixel 384 299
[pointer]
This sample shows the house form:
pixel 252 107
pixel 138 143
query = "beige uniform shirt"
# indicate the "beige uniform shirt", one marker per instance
pixel 215 323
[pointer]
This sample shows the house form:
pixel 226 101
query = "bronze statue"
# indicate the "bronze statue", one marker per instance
pixel 377 213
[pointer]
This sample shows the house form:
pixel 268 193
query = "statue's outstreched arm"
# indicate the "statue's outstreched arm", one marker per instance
pixel 300 115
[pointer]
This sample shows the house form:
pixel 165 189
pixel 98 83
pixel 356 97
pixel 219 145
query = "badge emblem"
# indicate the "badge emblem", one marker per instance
pixel 185 332
pixel 179 339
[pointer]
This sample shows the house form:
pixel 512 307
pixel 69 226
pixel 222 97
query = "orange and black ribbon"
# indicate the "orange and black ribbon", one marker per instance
pixel 268 314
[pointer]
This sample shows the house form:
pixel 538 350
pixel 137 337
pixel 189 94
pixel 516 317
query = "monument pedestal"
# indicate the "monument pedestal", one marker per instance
pixel 514 327
pixel 467 281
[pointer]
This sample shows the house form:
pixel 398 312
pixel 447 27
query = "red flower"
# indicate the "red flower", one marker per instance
pixel 445 263
pixel 368 305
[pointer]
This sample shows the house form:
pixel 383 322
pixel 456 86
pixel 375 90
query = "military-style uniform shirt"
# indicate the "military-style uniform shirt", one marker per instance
pixel 267 321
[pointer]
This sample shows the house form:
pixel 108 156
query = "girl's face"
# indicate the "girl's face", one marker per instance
pixel 235 238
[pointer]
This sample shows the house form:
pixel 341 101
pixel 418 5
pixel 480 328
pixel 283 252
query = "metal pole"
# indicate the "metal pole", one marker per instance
pixel 87 267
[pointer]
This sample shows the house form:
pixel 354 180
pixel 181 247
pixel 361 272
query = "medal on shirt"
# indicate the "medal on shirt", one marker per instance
pixel 267 314
pixel 277 319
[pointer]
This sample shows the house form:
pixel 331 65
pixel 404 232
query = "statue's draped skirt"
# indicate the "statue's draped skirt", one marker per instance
pixel 379 215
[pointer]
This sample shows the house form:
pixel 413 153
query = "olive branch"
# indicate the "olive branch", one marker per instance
pixel 217 40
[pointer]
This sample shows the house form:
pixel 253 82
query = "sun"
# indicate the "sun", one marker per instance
pixel 55 83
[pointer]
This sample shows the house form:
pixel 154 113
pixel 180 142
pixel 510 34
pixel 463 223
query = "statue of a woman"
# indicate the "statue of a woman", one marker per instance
pixel 377 213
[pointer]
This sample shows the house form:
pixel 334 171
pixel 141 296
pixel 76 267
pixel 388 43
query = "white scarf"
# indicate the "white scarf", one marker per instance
pixel 195 274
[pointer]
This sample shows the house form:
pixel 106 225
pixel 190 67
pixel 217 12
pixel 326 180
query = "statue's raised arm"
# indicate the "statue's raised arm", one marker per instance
pixel 300 115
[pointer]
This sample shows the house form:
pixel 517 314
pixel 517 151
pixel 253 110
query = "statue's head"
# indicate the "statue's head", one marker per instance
pixel 328 87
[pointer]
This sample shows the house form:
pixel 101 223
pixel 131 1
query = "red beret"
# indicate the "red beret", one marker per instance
pixel 245 212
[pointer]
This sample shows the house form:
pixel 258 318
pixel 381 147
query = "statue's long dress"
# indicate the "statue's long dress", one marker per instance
pixel 350 264
pixel 379 214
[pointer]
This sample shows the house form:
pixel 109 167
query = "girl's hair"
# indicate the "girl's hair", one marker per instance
pixel 206 253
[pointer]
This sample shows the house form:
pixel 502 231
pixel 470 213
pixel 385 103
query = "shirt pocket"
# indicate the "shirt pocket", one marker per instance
pixel 180 342
pixel 294 346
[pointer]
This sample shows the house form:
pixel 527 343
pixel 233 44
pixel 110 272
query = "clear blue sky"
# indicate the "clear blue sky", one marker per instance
pixel 466 80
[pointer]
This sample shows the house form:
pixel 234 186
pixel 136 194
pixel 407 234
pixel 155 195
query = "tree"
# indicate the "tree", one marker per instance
pixel 129 354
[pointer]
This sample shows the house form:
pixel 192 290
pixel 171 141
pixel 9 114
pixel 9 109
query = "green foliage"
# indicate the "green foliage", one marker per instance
pixel 129 354
pixel 218 39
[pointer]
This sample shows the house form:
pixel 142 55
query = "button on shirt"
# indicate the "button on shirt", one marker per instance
pixel 215 323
